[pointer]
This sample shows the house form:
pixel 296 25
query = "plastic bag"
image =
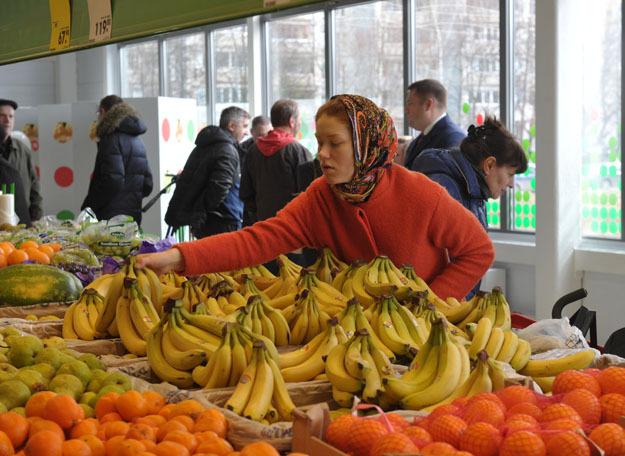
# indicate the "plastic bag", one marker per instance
pixel 112 237
pixel 558 327
pixel 75 254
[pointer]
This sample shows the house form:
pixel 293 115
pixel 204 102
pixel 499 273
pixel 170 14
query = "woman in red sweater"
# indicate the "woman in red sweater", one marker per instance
pixel 363 206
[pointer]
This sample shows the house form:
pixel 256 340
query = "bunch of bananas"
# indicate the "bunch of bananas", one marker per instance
pixel 206 282
pixel 377 278
pixel 260 275
pixel 227 363
pixel 172 279
pixel 332 300
pixel 396 326
pixel 501 345
pixel 249 288
pixel 357 367
pixel 441 365
pixel 343 280
pixel 147 282
pixel 260 318
pixel 192 296
pixel 353 319
pixel 261 393
pixel 81 316
pixel 228 299
pixel 425 313
pixel 287 279
pixel 492 306
pixel 307 363
pixel 101 284
pixel 306 318
pixel 327 266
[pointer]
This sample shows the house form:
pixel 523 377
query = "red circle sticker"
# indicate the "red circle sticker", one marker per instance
pixel 479 119
pixel 35 145
pixel 64 176
pixel 165 130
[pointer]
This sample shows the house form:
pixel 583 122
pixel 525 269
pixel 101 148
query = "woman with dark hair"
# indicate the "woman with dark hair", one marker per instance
pixel 362 206
pixel 482 167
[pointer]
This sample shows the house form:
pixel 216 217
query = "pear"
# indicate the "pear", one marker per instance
pixel 12 338
pixel 96 380
pixel 92 361
pixel 77 369
pixel 19 411
pixel 30 317
pixel 3 408
pixel 10 331
pixel 23 351
pixel 106 389
pixel 7 371
pixel 14 393
pixel 87 397
pixel 31 378
pixel 67 384
pixel 4 347
pixel 46 370
pixel 89 412
pixel 51 356
pixel 55 341
pixel 73 353
pixel 49 318
pixel 116 378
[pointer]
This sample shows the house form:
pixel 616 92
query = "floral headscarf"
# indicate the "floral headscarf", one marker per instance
pixel 375 145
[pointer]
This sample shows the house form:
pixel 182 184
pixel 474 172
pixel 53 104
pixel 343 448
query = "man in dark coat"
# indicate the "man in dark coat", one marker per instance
pixel 268 179
pixel 122 176
pixel 10 175
pixel 207 192
pixel 426 109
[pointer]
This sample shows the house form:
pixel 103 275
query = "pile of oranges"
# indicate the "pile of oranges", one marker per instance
pixel 28 250
pixel 128 424
pixel 583 413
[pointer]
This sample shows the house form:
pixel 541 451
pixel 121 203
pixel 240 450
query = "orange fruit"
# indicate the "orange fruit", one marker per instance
pixel 522 417
pixel 151 420
pixel 363 434
pixel 485 411
pixel 155 401
pixel 113 428
pixel 106 404
pixel 45 425
pixel 111 445
pixel 612 380
pixel 186 420
pixel 488 397
pixel 112 416
pixel 169 426
pixel 166 410
pixel 395 442
pixel 189 407
pixel 612 407
pixel 522 443
pixel 131 404
pixel 556 427
pixel 35 254
pixel 49 251
pixel 525 408
pixel 447 409
pixel 480 439
pixel 204 436
pixel 397 421
pixel 437 449
pixel 338 429
pixel 511 426
pixel 419 436
pixel 585 403
pixel 17 257
pixel 516 394
pixel 44 443
pixel 129 447
pixel 75 447
pixel 63 410
pixel 141 431
pixel 174 449
pixel 85 427
pixel 54 246
pixel 447 428
pixel 15 426
pixel 558 410
pixel 212 420
pixel 571 379
pixel 96 445
pixel 28 244
pixel 219 446
pixel 259 449
pixel 610 437
pixel 3 259
pixel 6 447
pixel 6 247
pixel 568 444
pixel 184 438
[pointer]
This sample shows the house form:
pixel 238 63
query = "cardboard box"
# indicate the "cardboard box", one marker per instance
pixel 309 425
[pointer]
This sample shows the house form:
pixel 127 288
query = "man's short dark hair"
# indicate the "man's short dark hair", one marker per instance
pixel 430 88
pixel 5 102
pixel 282 111
pixel 260 120
pixel 109 101
pixel 232 114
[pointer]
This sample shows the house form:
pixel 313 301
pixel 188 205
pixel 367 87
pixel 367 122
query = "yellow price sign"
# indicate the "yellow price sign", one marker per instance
pixel 60 17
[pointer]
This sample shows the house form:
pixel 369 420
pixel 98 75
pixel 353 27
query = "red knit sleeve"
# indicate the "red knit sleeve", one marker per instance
pixel 289 230
pixel 457 229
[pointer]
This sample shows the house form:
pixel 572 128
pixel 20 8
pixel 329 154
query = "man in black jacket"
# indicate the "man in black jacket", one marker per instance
pixel 121 176
pixel 207 192
pixel 10 175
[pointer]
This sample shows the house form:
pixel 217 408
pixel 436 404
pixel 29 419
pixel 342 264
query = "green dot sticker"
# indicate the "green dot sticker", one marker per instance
pixel 533 183
pixel 612 142
pixel 65 215
pixel 191 130
pixel 585 212
pixel 534 223
pixel 613 213
pixel 526 209
pixel 465 107
pixel 594 212
pixel 495 206
pixel 518 195
pixel 603 198
pixel 533 131
pixel 526 196
pixel 603 227
pixel 613 228
pixel 518 222
pixel 495 220
pixel 526 222
pixel 526 144
pixel 603 213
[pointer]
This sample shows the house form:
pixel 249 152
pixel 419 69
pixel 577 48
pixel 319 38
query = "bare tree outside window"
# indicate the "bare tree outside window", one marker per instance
pixel 140 70
pixel 297 67
pixel 370 53
pixel 231 71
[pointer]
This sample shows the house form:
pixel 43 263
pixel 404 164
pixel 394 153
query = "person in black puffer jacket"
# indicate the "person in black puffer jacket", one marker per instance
pixel 207 191
pixel 10 175
pixel 122 176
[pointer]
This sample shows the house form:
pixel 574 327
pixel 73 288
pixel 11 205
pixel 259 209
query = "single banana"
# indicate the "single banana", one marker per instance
pixel 358 287
pixel 373 381
pixel 315 364
pixel 131 339
pixel 483 382
pixel 209 323
pixel 481 336
pixel 280 325
pixel 281 398
pixel 239 360
pixel 179 359
pixel 243 390
pixel 81 323
pixel 159 364
pixel 416 379
pixel 296 357
pixel 503 319
pixel 362 323
pixel 522 355
pixel 342 398
pixel 92 311
pixel 337 373
pixel 219 373
pixel 68 330
pixel 185 341
pixel 509 347
pixel 156 290
pixel 552 367
pixel 387 332
pixel 141 319
pixel 260 398
pixel 545 383
pixel 497 374
pixel 106 317
pixel 495 342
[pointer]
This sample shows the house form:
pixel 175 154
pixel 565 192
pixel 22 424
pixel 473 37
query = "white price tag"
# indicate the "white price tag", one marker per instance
pixel 100 20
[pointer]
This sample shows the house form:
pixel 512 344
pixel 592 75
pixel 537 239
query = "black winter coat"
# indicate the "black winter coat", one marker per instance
pixel 122 176
pixel 208 186
pixel 10 175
